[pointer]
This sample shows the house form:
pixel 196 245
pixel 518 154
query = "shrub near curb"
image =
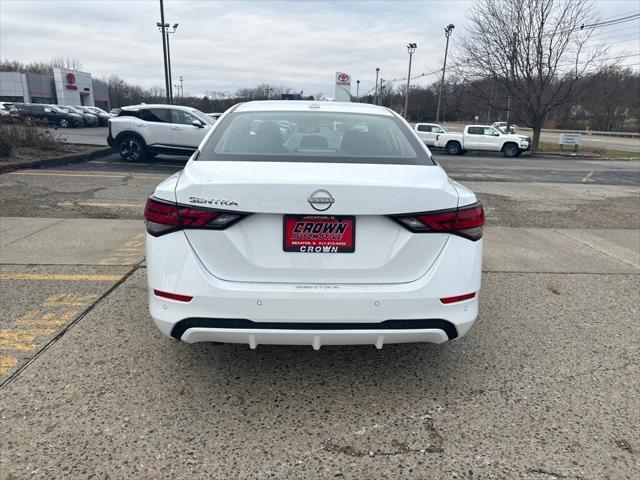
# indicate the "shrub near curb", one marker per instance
pixel 15 133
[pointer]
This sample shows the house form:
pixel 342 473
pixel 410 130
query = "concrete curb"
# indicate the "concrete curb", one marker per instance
pixel 581 157
pixel 52 162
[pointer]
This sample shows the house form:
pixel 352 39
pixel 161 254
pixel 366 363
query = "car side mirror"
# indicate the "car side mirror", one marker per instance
pixel 197 123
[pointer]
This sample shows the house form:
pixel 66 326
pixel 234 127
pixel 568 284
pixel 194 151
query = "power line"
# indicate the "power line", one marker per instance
pixel 617 30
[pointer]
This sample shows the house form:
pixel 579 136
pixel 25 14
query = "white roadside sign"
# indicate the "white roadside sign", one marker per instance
pixel 570 139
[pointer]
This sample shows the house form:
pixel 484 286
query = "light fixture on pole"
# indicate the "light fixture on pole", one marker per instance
pixel 447 33
pixel 410 48
pixel 167 32
pixel 357 90
pixel 375 96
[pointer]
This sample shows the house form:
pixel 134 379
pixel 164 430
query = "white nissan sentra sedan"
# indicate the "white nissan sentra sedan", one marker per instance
pixel 306 223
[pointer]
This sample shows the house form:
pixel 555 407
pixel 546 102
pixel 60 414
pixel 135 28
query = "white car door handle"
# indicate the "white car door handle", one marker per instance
pixel 176 128
pixel 141 125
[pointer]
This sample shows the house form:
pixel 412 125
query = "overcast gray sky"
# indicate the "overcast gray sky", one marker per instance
pixel 226 45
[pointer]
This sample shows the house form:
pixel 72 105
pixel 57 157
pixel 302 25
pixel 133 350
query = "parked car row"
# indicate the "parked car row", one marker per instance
pixel 64 116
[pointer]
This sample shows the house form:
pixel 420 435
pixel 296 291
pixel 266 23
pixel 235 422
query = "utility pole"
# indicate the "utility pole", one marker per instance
pixel 381 91
pixel 512 59
pixel 164 55
pixel 181 90
pixel 410 48
pixel 375 97
pixel 491 100
pixel 357 90
pixel 447 33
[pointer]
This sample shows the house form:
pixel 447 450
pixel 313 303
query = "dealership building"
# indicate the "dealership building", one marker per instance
pixel 64 87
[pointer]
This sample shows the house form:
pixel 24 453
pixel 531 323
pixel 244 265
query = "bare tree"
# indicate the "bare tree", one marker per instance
pixel 536 51
pixel 66 63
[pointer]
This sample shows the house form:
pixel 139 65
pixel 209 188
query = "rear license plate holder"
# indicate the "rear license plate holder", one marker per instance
pixel 319 233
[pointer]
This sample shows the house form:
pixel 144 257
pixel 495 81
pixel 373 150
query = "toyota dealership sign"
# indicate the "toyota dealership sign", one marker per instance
pixel 343 78
pixel 343 87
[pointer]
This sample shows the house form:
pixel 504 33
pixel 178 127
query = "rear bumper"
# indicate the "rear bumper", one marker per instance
pixel 257 334
pixel 311 314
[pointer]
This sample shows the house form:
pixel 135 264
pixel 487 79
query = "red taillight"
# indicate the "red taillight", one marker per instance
pixel 470 221
pixel 464 221
pixel 172 296
pixel 163 217
pixel 458 298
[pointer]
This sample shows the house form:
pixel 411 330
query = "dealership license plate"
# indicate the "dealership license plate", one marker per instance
pixel 319 234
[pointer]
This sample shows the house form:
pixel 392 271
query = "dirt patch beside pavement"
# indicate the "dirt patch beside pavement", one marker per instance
pixel 26 157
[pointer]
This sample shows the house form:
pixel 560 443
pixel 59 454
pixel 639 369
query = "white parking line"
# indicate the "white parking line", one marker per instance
pixel 587 177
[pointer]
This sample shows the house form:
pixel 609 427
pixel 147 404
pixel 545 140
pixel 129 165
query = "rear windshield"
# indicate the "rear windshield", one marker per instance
pixel 327 137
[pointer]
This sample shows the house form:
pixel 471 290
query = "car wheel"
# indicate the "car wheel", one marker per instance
pixel 131 149
pixel 64 123
pixel 510 150
pixel 454 148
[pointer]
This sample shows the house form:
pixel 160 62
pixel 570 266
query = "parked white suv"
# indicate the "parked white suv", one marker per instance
pixel 147 130
pixel 428 131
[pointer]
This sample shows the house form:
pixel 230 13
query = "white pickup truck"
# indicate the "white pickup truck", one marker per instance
pixel 428 131
pixel 483 137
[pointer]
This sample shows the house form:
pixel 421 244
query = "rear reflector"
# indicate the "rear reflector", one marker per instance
pixel 458 298
pixel 172 296
pixel 164 217
pixel 464 221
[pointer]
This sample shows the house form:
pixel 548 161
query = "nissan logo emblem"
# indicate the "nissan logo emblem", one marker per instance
pixel 320 200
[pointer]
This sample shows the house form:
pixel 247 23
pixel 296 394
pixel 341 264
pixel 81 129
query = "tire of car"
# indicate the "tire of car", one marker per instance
pixel 64 123
pixel 510 150
pixel 454 148
pixel 131 148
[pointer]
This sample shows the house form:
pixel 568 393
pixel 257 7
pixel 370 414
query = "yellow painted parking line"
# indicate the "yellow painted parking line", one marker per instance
pixel 80 174
pixel 49 319
pixel 24 336
pixel 69 300
pixel 60 277
pixel 16 346
pixel 7 362
pixel 101 205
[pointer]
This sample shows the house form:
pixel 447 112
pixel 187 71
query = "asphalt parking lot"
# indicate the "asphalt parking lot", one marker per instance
pixel 545 386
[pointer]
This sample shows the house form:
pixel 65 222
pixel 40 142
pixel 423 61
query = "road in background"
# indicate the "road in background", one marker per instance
pixel 98 136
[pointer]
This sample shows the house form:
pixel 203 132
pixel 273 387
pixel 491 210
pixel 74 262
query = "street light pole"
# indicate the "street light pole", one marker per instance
pixel 169 65
pixel 375 97
pixel 447 33
pixel 164 54
pixel 181 89
pixel 357 90
pixel 164 28
pixel 410 48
